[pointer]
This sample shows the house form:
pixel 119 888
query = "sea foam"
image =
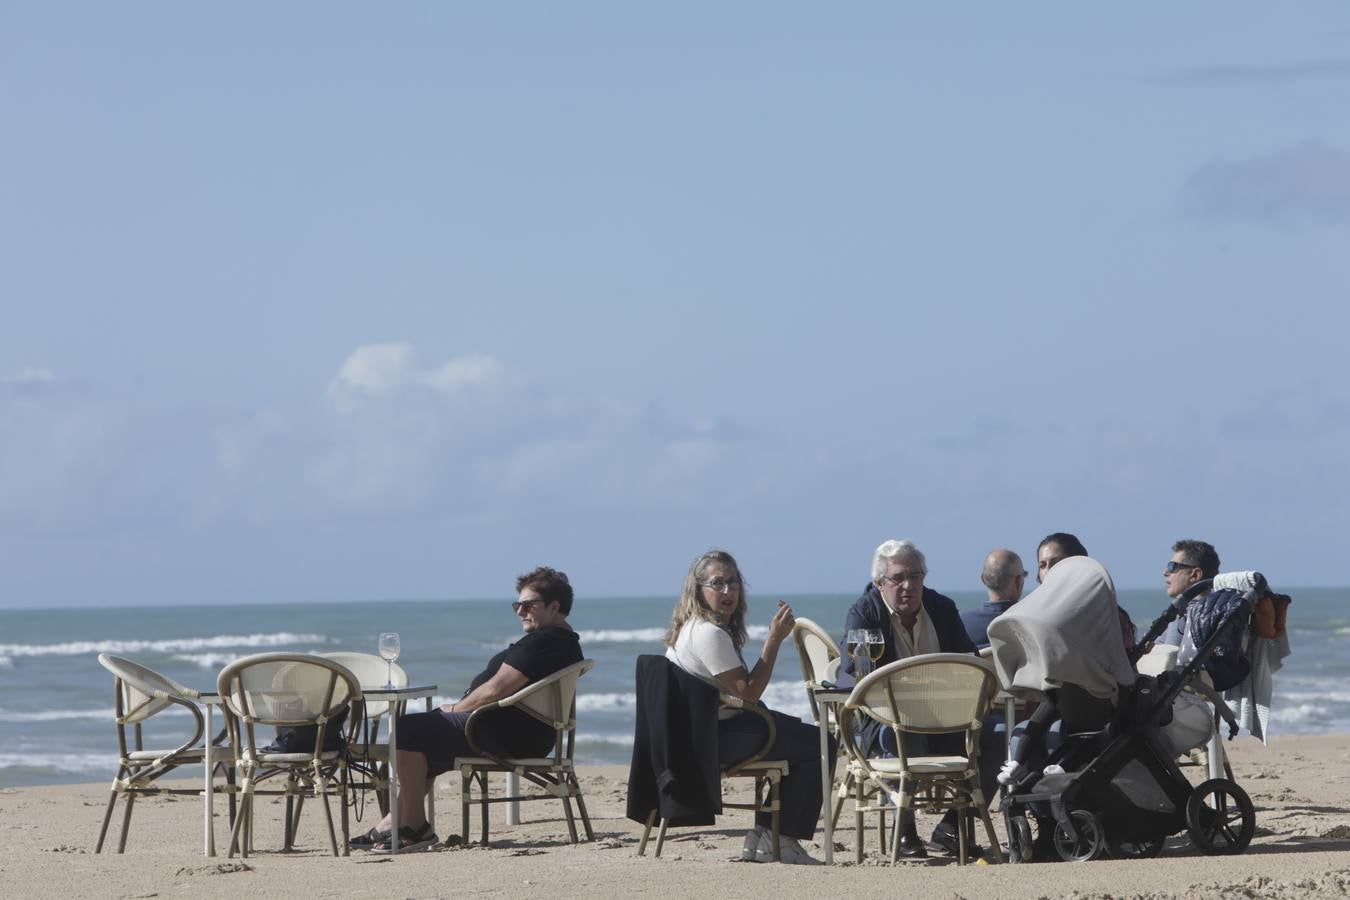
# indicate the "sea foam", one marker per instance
pixel 171 645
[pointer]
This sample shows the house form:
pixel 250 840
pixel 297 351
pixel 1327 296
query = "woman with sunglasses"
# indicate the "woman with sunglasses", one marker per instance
pixel 428 743
pixel 706 638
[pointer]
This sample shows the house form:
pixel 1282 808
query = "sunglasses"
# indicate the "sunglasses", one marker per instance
pixel 518 605
pixel 1173 567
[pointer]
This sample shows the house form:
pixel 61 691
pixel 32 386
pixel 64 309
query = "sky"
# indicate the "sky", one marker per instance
pixel 338 301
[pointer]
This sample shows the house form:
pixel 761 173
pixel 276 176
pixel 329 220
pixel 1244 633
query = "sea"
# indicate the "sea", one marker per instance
pixel 56 701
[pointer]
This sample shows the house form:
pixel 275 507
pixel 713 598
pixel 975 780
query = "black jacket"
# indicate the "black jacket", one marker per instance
pixel 870 611
pixel 674 768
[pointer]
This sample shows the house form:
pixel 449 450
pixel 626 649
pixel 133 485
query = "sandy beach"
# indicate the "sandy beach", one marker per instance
pixel 1300 786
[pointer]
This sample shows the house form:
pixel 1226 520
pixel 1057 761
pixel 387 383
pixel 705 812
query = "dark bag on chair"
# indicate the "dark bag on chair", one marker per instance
pixel 300 738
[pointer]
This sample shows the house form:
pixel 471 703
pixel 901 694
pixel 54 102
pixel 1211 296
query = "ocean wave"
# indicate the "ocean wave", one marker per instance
pixel 6 662
pixel 171 645
pixel 1313 696
pixel 55 715
pixel 208 660
pixel 606 702
pixel 622 740
pixel 76 763
pixel 622 635
pixel 1309 718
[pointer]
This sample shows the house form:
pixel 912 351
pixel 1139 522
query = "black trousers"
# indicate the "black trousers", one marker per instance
pixel 799 793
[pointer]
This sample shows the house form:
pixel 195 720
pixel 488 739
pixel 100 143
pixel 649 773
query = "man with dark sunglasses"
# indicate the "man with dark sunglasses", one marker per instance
pixel 429 742
pixel 1192 562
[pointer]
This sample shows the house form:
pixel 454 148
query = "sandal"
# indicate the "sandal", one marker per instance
pixel 409 839
pixel 368 841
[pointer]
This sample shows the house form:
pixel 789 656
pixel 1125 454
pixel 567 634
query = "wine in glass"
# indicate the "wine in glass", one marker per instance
pixel 876 644
pixel 851 641
pixel 857 641
pixel 389 650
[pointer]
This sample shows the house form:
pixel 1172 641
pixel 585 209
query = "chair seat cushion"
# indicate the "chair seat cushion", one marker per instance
pixel 275 758
pixel 191 754
pixel 922 765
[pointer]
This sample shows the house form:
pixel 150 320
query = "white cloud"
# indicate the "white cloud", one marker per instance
pixel 32 375
pixel 376 368
pixel 465 372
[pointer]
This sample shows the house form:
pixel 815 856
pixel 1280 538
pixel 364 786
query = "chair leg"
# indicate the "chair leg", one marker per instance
pixel 126 822
pixel 295 823
pixel 845 788
pixel 773 801
pixel 895 836
pixel 961 836
pixel 571 819
pixel 881 828
pixel 860 831
pixel 107 817
pixel 581 808
pixel 238 839
pixel 346 822
pixel 465 797
pixel 988 825
pixel 661 837
pixel 322 787
pixel 642 844
pixel 230 784
pixel 292 815
pixel 483 804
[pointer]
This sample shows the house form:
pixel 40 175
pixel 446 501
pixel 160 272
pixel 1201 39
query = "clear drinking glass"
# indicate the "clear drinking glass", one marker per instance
pixel 856 641
pixel 876 645
pixel 389 650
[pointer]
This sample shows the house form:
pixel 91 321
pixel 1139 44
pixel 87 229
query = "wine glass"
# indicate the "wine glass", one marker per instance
pixel 876 644
pixel 389 650
pixel 856 641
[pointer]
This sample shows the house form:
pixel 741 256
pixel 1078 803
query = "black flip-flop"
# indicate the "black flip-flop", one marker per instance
pixel 370 840
pixel 410 840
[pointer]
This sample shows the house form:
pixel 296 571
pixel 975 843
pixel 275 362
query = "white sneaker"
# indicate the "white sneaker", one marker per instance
pixel 789 851
pixel 1053 779
pixel 754 839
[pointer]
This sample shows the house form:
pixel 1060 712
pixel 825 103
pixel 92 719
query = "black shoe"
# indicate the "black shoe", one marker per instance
pixel 409 839
pixel 912 848
pixel 368 840
pixel 945 838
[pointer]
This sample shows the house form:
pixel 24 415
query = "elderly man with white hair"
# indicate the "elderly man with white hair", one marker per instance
pixel 913 619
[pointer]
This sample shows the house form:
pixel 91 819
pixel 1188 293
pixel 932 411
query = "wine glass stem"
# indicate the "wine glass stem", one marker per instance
pixel 389 667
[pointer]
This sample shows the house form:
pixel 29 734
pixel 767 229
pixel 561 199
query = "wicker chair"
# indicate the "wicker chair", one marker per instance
pixel 139 695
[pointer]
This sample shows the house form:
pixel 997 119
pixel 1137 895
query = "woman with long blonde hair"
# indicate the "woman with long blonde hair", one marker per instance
pixel 707 638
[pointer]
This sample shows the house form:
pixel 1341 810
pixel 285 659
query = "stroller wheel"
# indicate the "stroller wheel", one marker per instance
pixel 1146 849
pixel 1220 817
pixel 1020 845
pixel 1088 843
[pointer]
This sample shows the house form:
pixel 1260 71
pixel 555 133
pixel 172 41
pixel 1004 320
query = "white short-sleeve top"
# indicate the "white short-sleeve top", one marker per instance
pixel 703 649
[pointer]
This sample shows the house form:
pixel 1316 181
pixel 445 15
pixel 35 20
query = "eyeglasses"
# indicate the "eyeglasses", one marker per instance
pixel 1173 566
pixel 518 606
pixel 898 578
pixel 722 586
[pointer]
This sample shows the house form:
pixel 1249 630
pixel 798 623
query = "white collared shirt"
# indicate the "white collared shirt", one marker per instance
pixel 923 639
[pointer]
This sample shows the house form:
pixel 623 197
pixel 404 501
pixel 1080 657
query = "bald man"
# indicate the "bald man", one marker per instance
pixel 1003 577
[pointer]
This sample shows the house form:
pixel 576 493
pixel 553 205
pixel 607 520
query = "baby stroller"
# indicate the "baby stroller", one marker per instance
pixel 1113 784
